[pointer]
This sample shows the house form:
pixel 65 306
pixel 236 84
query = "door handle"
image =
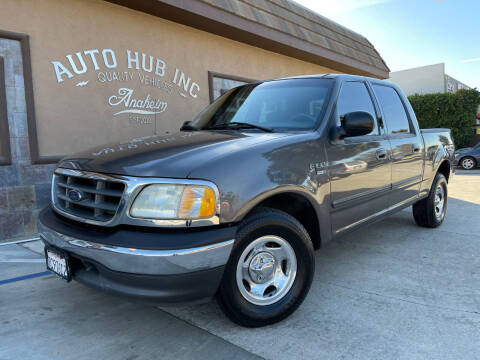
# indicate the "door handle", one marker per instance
pixel 416 148
pixel 381 154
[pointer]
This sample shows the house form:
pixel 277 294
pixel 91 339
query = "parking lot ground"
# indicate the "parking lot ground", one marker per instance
pixel 392 290
pixel 45 318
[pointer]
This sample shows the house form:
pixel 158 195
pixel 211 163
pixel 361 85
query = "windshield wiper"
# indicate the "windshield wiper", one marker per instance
pixel 188 126
pixel 248 125
pixel 239 125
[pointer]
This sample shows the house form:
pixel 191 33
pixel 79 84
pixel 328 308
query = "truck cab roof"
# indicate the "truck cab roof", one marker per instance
pixel 337 77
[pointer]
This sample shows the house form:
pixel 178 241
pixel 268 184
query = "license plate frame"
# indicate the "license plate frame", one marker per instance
pixel 58 263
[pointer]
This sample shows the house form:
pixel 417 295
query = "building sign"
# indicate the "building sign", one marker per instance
pixel 142 84
pixel 450 87
pixel 146 106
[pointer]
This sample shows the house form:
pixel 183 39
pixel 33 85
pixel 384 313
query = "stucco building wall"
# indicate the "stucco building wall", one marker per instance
pixel 24 187
pixel 421 80
pixel 73 110
pixel 76 108
pixel 79 73
pixel 428 79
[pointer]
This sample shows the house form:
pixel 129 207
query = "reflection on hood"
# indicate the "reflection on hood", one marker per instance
pixel 174 155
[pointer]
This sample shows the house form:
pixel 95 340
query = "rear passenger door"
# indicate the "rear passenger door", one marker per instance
pixel 406 143
pixel 359 167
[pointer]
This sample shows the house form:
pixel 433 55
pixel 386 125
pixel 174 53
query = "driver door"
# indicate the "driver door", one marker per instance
pixel 360 167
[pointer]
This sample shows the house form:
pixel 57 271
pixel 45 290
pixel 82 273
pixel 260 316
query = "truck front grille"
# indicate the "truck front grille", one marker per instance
pixel 88 197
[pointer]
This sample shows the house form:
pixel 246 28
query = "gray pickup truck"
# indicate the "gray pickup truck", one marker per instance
pixel 235 204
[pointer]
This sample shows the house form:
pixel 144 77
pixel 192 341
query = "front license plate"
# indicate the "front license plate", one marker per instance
pixel 57 262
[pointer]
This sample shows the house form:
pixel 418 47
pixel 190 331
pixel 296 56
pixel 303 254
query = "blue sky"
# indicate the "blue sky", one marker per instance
pixel 411 33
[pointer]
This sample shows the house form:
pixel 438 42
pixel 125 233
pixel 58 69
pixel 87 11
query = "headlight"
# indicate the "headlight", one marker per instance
pixel 172 201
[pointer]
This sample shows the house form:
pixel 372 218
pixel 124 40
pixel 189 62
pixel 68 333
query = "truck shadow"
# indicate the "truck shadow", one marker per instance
pixel 392 259
pixel 387 278
pixel 391 277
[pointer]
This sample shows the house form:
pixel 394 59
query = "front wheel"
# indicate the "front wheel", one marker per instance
pixel 270 270
pixel 468 163
pixel 431 211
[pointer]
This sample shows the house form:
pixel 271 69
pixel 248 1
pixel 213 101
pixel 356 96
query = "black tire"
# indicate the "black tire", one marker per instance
pixel 264 222
pixel 425 212
pixel 472 163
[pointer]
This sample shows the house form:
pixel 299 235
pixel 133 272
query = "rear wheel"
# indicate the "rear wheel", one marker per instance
pixel 468 163
pixel 430 212
pixel 270 270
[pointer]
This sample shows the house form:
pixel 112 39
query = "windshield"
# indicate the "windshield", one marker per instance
pixel 294 104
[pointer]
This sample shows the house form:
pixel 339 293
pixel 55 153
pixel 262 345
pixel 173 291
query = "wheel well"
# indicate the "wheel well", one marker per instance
pixel 468 156
pixel 444 169
pixel 298 207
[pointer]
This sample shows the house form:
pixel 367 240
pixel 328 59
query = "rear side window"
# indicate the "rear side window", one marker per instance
pixel 393 110
pixel 354 96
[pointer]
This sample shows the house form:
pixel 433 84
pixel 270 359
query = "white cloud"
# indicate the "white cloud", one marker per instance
pixel 329 8
pixel 470 60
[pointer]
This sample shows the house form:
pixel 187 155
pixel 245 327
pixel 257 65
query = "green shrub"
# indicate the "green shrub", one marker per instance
pixel 454 111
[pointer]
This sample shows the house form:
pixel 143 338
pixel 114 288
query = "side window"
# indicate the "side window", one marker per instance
pixel 393 110
pixel 354 96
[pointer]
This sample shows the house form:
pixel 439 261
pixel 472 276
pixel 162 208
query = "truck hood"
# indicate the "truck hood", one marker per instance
pixel 171 156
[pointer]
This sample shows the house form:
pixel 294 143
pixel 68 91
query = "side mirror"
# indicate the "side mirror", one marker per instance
pixel 355 123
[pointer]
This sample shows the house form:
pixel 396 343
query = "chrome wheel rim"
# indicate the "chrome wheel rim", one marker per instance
pixel 266 270
pixel 439 202
pixel 467 163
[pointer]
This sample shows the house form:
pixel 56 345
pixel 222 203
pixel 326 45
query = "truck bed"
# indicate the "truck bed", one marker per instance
pixel 433 139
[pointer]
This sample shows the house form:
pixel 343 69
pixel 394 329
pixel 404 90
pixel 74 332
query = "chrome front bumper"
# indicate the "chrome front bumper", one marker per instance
pixel 138 261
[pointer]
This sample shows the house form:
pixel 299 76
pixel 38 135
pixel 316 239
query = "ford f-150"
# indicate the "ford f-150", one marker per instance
pixel 236 202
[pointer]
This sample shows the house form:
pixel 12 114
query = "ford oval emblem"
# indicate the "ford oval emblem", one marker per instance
pixel 75 195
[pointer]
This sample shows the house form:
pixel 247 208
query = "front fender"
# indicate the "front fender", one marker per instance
pixel 284 189
pixel 312 195
pixel 248 177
